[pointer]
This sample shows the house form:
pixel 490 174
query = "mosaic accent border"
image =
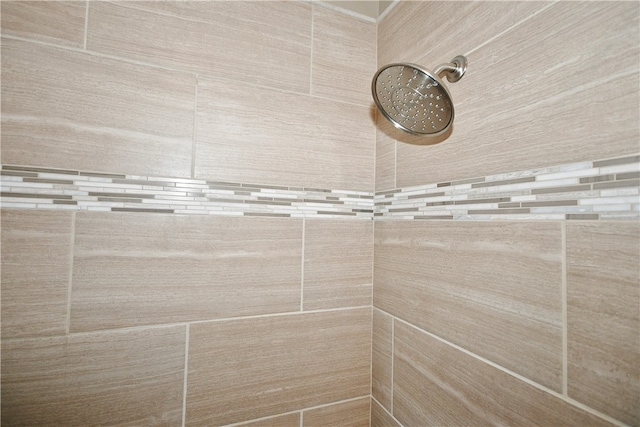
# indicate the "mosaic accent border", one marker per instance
pixel 598 190
pixel 603 189
pixel 40 188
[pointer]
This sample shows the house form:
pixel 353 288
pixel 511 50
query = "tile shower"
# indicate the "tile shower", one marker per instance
pixel 205 223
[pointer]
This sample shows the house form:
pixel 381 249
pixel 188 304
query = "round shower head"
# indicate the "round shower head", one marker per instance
pixel 414 99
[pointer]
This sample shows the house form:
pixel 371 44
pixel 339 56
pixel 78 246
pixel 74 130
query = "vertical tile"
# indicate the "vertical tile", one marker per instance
pixel 380 417
pixel 36 260
pixel 493 288
pixel 344 56
pixel 382 358
pixel 603 314
pixel 71 110
pixel 338 263
pixel 252 368
pixel 60 22
pixel 240 41
pixel 133 377
pixel 435 384
pixel 347 414
pixel 247 133
pixel 540 110
pixel 132 270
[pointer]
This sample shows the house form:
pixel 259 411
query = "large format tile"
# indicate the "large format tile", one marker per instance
pixel 382 358
pixel 354 413
pixel 71 110
pixel 60 22
pixel 344 56
pixel 517 111
pixel 603 315
pixel 136 270
pixel 36 261
pixel 251 368
pixel 242 41
pixel 435 384
pixel 133 377
pixel 252 134
pixel 430 33
pixel 338 263
pixel 493 288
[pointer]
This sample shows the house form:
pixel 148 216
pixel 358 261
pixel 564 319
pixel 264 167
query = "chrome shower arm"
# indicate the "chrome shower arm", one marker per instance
pixel 453 70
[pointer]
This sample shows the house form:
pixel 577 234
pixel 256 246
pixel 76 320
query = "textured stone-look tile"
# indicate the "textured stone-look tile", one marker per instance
pixel 289 420
pixel 136 270
pixel 573 74
pixel 429 33
pixel 36 259
pixel 133 377
pixel 348 414
pixel 435 384
pixel 246 133
pixel 493 288
pixel 344 56
pixel 60 22
pixel 380 417
pixel 385 155
pixel 338 263
pixel 381 358
pixel 251 368
pixel 603 314
pixel 71 110
pixel 241 41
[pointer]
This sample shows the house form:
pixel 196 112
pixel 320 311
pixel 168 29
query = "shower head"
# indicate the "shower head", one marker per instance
pixel 414 99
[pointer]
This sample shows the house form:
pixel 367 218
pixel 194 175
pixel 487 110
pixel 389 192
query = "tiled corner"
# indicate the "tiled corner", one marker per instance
pixel 354 413
pixel 382 358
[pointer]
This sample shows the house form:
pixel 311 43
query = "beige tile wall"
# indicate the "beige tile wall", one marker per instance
pixel 547 83
pixel 150 319
pixel 510 322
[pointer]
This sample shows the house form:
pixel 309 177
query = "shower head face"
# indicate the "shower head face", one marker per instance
pixel 413 99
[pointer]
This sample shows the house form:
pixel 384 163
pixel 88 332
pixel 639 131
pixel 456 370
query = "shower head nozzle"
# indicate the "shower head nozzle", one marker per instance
pixel 414 99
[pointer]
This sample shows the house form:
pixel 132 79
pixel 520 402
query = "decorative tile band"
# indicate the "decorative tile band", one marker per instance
pixel 39 188
pixel 604 189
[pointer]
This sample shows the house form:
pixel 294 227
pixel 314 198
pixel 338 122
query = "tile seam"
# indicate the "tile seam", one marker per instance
pixel 517 376
pixel 186 372
pixel 86 24
pixel 565 326
pixel 72 250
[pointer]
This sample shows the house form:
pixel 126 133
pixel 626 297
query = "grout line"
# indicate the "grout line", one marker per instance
pixel 565 327
pixel 71 258
pixel 301 418
pixel 313 16
pixel 393 357
pixel 186 371
pixel 304 227
pixel 516 375
pixel 385 410
pixel 86 24
pixel 500 34
pixel 197 322
pixel 193 131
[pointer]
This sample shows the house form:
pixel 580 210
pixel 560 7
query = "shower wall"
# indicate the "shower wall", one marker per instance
pixel 184 240
pixel 506 278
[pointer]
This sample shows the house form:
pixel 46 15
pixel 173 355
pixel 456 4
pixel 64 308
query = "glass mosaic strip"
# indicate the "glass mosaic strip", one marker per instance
pixel 39 188
pixel 603 189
